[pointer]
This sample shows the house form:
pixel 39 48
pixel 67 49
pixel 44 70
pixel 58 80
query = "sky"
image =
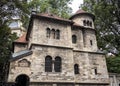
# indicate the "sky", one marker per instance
pixel 75 5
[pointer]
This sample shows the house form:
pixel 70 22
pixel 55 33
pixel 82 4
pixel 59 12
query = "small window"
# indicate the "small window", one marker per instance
pixel 76 69
pixel 48 32
pixel 53 33
pixel 91 24
pixel 74 39
pixel 57 34
pixel 48 64
pixel 84 22
pixel 57 64
pixel 88 23
pixel 91 42
pixel 95 70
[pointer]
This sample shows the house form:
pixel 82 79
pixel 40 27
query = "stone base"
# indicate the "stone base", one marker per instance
pixel 65 84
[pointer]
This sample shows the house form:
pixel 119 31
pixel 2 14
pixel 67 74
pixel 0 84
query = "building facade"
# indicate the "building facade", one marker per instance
pixel 58 52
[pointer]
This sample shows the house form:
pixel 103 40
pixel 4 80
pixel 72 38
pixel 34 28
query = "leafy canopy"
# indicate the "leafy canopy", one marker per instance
pixel 107 23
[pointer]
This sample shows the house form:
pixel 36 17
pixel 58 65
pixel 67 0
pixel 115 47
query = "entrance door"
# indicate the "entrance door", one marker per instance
pixel 22 80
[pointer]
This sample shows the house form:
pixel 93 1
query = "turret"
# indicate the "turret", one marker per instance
pixel 83 31
pixel 83 18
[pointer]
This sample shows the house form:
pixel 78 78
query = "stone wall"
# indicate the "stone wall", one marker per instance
pixel 36 70
pixel 88 62
pixel 83 40
pixel 39 33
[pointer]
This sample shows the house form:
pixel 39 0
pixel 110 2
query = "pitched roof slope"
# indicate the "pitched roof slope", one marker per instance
pixel 82 12
pixel 22 39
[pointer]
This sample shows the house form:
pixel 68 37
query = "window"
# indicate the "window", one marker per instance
pixel 76 69
pixel 91 42
pixel 57 64
pixel 48 64
pixel 84 22
pixel 57 34
pixel 48 32
pixel 95 70
pixel 87 23
pixel 53 33
pixel 91 24
pixel 74 39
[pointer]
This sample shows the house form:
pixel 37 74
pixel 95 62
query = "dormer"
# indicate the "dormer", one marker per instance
pixel 84 19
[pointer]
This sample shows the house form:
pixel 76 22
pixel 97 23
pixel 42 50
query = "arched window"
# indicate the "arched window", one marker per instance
pixel 57 64
pixel 74 39
pixel 48 32
pixel 53 33
pixel 84 22
pixel 88 23
pixel 91 24
pixel 57 34
pixel 48 64
pixel 76 69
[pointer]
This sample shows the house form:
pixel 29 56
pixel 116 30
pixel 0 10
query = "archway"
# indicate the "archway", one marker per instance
pixel 22 80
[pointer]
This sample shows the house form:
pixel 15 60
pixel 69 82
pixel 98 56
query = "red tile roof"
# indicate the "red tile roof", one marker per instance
pixel 22 39
pixel 80 12
pixel 53 16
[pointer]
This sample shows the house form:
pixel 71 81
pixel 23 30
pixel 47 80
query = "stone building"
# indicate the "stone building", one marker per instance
pixel 58 52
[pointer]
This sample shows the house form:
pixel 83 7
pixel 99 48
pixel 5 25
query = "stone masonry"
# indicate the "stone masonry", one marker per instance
pixel 73 40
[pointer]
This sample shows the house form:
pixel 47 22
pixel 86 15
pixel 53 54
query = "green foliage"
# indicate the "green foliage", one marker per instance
pixel 106 23
pixel 6 43
pixel 8 9
pixel 58 7
pixel 113 64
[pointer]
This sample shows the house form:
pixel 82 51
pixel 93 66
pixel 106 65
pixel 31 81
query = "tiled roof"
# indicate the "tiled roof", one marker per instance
pixel 22 39
pixel 52 16
pixel 80 12
pixel 47 16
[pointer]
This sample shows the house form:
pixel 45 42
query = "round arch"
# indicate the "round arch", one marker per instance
pixel 22 80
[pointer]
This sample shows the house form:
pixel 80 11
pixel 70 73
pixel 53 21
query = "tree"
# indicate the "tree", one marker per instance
pixel 8 9
pixel 113 64
pixel 58 7
pixel 107 23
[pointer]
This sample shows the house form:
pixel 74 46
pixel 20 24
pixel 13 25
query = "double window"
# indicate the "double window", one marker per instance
pixel 52 65
pixel 52 33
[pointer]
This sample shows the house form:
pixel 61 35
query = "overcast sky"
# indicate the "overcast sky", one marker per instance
pixel 75 5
